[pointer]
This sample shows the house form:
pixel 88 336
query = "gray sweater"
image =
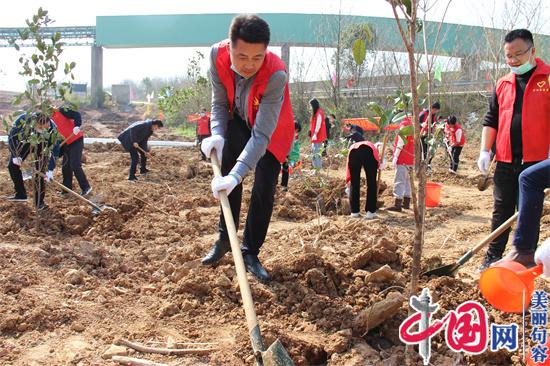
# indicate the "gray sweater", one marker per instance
pixel 266 118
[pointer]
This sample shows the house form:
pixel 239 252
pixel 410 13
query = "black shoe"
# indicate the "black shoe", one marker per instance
pixel 63 194
pixel 144 171
pixel 42 207
pixel 86 192
pixel 132 179
pixel 488 261
pixel 216 253
pixel 16 198
pixel 254 266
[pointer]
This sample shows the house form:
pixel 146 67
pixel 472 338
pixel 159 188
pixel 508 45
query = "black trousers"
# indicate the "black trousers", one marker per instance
pixel 199 140
pixel 285 174
pixel 135 155
pixel 455 157
pixel 263 189
pixel 362 158
pixel 40 164
pixel 505 194
pixel 72 165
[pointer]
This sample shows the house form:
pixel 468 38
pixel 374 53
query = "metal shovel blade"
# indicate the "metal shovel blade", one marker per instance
pixel 446 270
pixel 276 355
pixel 484 182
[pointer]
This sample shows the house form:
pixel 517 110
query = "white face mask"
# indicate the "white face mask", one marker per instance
pixel 522 69
pixel 203 114
pixel 236 72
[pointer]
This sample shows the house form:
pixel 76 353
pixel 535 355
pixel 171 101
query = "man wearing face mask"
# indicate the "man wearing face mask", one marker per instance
pixel 252 129
pixel 518 121
pixel 36 127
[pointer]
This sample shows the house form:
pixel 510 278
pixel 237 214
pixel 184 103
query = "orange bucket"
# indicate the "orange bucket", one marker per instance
pixel 503 285
pixel 433 194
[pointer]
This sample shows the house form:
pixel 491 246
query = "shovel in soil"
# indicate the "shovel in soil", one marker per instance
pixel 450 269
pixel 275 355
pixel 485 180
pixel 96 208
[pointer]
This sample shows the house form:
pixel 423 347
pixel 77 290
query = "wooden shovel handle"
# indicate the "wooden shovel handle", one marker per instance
pixel 244 286
pixel 491 165
pixel 67 139
pixel 71 192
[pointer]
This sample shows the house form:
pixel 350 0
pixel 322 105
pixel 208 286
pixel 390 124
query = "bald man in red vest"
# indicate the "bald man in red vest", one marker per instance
pixel 252 129
pixel 518 122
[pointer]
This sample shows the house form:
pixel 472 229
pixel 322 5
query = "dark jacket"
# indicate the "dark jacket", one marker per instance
pixel 19 135
pixel 137 132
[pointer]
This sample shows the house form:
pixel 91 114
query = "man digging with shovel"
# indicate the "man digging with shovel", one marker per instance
pixel 252 128
pixel 134 140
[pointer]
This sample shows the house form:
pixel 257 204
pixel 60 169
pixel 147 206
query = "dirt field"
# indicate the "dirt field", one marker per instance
pixel 73 283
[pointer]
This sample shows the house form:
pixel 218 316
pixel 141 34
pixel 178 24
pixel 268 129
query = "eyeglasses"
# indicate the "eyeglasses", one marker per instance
pixel 516 57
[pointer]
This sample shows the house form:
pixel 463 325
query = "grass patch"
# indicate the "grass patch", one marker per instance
pixel 187 132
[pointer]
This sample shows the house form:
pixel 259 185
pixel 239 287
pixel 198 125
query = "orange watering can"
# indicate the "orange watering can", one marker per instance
pixel 508 285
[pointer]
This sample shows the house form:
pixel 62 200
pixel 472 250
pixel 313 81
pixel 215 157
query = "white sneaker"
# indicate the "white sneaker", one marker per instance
pixel 370 215
pixel 355 214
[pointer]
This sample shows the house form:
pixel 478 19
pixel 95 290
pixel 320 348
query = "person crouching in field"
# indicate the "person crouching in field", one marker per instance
pixel 362 155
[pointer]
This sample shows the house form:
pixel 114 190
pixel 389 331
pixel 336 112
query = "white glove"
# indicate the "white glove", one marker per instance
pixel 450 149
pixel 49 175
pixel 17 161
pixel 314 137
pixel 394 163
pixel 213 142
pixel 484 161
pixel 76 130
pixel 226 183
pixel 347 191
pixel 384 164
pixel 542 255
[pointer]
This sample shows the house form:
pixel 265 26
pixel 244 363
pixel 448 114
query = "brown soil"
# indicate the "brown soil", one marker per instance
pixel 74 282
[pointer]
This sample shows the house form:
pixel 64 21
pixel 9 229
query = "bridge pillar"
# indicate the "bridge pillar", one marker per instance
pixel 469 66
pixel 285 56
pixel 98 96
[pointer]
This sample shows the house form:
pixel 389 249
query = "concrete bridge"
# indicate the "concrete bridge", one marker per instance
pixel 469 43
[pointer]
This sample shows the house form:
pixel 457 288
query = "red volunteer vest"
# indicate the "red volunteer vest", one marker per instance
pixel 535 118
pixel 202 126
pixel 357 145
pixel 452 135
pixel 424 128
pixel 65 127
pixel 281 139
pixel 322 134
pixel 406 157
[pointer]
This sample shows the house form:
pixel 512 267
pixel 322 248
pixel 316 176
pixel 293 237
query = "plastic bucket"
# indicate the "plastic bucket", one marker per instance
pixel 503 285
pixel 433 194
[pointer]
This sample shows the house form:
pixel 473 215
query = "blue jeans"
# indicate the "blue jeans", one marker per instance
pixel 316 159
pixel 532 182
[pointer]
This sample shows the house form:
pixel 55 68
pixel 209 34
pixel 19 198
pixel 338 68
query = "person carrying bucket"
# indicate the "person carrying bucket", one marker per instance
pixel 252 129
pixel 403 159
pixel 362 155
pixel 518 120
pixel 455 142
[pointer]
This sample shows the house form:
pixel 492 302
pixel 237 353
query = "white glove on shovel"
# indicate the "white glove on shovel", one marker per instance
pixel 227 184
pixel 542 256
pixel 213 142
